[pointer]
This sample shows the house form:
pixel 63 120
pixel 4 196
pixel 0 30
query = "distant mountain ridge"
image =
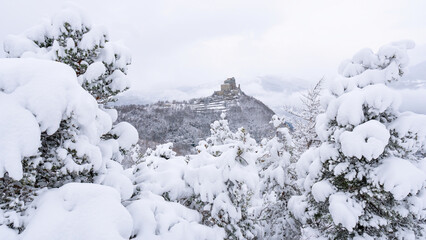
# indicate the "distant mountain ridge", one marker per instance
pixel 185 123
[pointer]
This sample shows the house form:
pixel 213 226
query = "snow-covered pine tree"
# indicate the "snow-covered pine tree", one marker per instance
pixel 220 134
pixel 67 136
pixel 365 180
pixel 70 38
pixel 277 184
pixel 72 152
pixel 224 178
pixel 100 65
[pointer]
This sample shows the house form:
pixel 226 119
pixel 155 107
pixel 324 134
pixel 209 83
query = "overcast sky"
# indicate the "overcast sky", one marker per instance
pixel 186 48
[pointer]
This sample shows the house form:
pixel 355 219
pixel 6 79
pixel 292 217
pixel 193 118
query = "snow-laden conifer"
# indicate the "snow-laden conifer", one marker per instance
pixel 158 203
pixel 69 37
pixel 77 141
pixel 277 183
pixel 224 178
pixel 52 134
pixel 366 179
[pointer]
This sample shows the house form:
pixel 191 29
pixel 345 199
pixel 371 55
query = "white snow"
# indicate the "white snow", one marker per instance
pixel 340 168
pixel 16 46
pixel 73 21
pixel 366 140
pixel 75 18
pixel 411 125
pixel 112 113
pixel 205 178
pixel 37 95
pixel 400 177
pixel 302 165
pixel 348 108
pixel 298 205
pixel 127 134
pixel 162 150
pixel 79 211
pixel 417 204
pixel 96 36
pixel 35 87
pixel 344 210
pixel 162 176
pixel 321 190
pixel 109 52
pixel 157 219
pixel 310 163
pixel 93 72
pixel 7 233
pixel 119 182
pixel 20 135
pixel 365 59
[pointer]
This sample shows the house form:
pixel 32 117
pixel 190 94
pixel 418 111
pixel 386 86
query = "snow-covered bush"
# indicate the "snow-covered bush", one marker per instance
pixel 161 194
pixel 155 218
pixel 52 134
pixel 100 65
pixel 224 178
pixel 162 151
pixel 162 173
pixel 70 38
pixel 220 134
pixel 220 182
pixel 366 179
pixel 79 211
pixel 277 184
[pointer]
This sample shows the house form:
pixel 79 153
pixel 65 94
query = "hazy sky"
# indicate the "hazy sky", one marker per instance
pixel 186 48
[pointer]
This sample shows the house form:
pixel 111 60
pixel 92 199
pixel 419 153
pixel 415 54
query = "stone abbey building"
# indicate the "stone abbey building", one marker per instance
pixel 229 87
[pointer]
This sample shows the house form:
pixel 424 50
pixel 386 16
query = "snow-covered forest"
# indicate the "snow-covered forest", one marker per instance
pixel 351 166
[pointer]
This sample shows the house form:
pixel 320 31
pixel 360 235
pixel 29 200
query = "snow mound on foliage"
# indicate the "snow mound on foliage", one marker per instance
pixel 35 96
pixel 116 178
pixel 321 190
pixel 207 174
pixel 400 177
pixel 70 37
pixel 154 218
pixel 297 206
pixel 79 211
pixel 163 176
pixel 366 61
pixel 127 134
pixel 412 128
pixel 20 136
pixel 366 140
pixel 349 107
pixel 344 210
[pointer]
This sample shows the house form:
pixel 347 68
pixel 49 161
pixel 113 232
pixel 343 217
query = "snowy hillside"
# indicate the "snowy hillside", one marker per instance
pixel 186 123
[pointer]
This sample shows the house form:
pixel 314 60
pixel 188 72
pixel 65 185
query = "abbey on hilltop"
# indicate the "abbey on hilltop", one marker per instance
pixel 229 87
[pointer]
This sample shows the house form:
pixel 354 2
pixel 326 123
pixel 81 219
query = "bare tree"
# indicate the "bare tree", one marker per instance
pixel 304 135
